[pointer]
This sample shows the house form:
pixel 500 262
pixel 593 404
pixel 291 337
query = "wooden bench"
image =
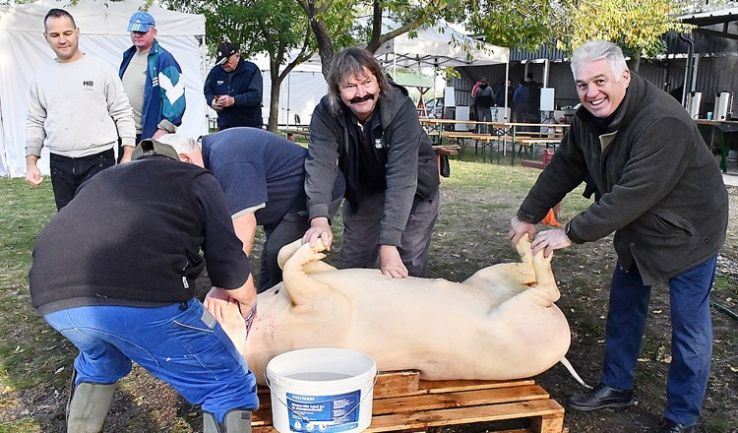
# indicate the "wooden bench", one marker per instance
pixel 485 139
pixel 530 143
pixel 403 402
pixel 289 132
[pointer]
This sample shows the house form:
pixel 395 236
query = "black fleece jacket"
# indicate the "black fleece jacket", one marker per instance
pixel 410 166
pixel 132 237
pixel 662 192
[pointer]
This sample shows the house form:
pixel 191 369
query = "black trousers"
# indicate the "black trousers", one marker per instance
pixel 67 174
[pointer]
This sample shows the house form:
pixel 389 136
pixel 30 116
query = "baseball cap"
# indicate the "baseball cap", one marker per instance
pixel 225 50
pixel 149 147
pixel 141 22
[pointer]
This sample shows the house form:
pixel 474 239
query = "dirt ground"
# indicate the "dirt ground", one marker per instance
pixel 468 237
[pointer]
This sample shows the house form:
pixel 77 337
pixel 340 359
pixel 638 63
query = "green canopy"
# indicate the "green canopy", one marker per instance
pixel 408 78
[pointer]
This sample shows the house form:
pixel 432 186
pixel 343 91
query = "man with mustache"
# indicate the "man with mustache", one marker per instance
pixel 368 128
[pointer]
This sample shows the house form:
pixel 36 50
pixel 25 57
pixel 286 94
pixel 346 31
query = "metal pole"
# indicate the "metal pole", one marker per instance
pixel 688 72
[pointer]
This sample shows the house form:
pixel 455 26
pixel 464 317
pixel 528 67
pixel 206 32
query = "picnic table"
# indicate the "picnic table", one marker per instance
pixel 499 134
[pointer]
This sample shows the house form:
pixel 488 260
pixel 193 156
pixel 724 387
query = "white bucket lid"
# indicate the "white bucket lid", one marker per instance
pixel 358 367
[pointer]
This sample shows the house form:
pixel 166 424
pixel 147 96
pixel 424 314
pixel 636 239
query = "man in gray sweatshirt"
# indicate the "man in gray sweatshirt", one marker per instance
pixel 77 109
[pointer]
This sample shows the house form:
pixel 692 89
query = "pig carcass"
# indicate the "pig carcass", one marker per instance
pixel 501 323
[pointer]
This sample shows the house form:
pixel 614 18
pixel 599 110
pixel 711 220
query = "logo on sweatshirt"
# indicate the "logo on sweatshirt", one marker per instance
pixel 88 83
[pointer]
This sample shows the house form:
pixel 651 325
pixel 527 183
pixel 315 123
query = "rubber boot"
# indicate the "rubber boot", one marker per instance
pixel 236 421
pixel 88 407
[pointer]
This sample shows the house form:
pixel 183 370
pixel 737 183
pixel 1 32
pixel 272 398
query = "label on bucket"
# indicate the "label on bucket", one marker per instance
pixel 323 413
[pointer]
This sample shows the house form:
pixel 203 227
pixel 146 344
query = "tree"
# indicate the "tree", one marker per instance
pixel 330 20
pixel 277 27
pixel 520 23
pixel 637 27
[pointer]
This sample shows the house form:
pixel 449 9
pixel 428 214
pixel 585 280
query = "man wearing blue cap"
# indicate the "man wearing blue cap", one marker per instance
pixel 152 79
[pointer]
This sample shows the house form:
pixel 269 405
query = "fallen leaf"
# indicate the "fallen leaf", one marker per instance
pixel 59 370
pixel 733 369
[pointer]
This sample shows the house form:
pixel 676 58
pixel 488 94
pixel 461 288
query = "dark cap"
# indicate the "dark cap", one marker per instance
pixel 225 50
pixel 149 147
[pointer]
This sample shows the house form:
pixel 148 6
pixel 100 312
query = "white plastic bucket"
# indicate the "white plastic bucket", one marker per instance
pixel 321 390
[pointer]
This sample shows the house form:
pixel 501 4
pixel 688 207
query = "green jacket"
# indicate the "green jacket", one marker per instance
pixel 662 192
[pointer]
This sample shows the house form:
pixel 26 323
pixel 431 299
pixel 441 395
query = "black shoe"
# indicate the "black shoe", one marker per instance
pixel 601 397
pixel 669 426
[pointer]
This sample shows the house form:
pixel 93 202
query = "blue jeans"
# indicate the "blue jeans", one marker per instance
pixel 180 344
pixel 691 336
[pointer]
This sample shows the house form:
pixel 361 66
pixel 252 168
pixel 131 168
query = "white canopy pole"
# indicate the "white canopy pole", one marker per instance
pixel 507 83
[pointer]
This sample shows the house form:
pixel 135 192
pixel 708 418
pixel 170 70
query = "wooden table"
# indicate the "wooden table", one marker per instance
pixel 499 132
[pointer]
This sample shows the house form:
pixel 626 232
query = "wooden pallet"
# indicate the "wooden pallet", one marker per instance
pixel 403 402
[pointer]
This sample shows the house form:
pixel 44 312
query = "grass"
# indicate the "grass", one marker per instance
pixel 28 354
pixel 478 201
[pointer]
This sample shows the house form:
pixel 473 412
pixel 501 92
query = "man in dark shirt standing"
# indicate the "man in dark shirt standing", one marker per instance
pixel 233 89
pixel 368 128
pixel 114 273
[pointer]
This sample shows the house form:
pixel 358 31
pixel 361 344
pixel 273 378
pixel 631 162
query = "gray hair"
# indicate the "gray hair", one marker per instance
pixel 592 51
pixel 352 61
pixel 180 143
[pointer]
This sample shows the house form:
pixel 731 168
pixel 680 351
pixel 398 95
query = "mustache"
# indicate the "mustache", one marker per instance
pixel 358 99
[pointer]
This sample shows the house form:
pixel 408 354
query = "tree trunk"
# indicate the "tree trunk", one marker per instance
pixel 325 45
pixel 274 101
pixel 374 38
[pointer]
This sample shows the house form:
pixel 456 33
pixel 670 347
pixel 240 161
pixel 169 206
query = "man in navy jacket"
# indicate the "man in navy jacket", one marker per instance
pixel 233 88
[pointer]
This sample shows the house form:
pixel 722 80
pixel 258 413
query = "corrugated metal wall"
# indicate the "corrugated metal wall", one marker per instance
pixel 714 74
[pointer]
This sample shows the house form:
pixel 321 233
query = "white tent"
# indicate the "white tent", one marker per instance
pixel 103 27
pixel 447 48
pixel 299 93
pixel 431 48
